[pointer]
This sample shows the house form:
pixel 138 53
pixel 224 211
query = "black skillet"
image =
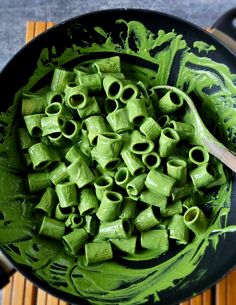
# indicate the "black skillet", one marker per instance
pixel 17 71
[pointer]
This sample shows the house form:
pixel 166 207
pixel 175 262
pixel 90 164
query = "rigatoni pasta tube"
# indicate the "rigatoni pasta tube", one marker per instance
pixel 60 79
pixel 126 245
pixel 155 240
pixel 139 144
pixel 128 208
pixel 96 252
pixel 113 87
pixel 122 177
pixel 198 155
pixel 129 92
pixel 47 202
pixel 196 220
pixel 80 173
pixel 52 228
pixel 118 120
pixel 160 183
pixel 178 229
pixel 75 240
pixel 147 219
pixel 59 173
pixel 202 175
pixel 95 125
pixel 151 160
pixel 110 206
pixel 88 203
pixel 103 184
pixel 150 128
pixel 135 186
pixel 109 144
pixel 168 141
pixel 67 194
pixel 74 221
pixel 120 228
pixel 38 181
pixel 33 124
pixel 33 104
pixel 134 165
pixel 107 65
pixel 136 110
pixel 170 102
pixel 177 169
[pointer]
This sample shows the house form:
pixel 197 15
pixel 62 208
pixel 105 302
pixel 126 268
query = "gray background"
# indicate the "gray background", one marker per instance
pixel 15 13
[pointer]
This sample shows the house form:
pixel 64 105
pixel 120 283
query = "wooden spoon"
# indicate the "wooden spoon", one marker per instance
pixel 213 146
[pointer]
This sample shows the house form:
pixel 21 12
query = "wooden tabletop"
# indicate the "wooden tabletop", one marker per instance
pixel 22 292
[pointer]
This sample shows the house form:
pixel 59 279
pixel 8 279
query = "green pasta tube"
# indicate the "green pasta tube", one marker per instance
pixel 168 140
pixel 122 177
pixel 52 124
pixel 196 220
pixel 42 156
pixel 75 240
pixel 106 162
pixel 76 97
pixel 88 203
pixel 184 130
pixel 59 173
pixel 128 209
pixel 113 87
pixel 63 213
pixel 71 130
pixel 120 228
pixel 91 108
pixel 118 120
pixel 160 183
pixel 110 206
pixel 155 199
pixel 96 252
pixel 136 185
pixel 172 208
pixel 111 105
pixel 107 65
pixel 33 124
pixel 84 143
pixel 155 240
pixel 198 155
pixel 91 224
pixel 139 144
pixel 54 97
pixel 150 128
pixel 147 219
pixel 178 230
pixel 95 125
pixel 80 173
pixel 136 110
pixel 131 92
pixel 152 99
pixel 93 82
pixel 38 181
pixel 25 140
pixel 52 228
pixel 126 245
pixel 47 202
pixel 60 79
pixel 57 139
pixel 177 169
pixel 151 160
pixel 164 121
pixel 183 191
pixel 103 184
pixel 202 175
pixel 74 221
pixel 67 194
pixel 134 165
pixel 74 153
pixel 81 70
pixel 170 102
pixel 109 144
pixel 33 104
pixel 59 110
pixel 220 177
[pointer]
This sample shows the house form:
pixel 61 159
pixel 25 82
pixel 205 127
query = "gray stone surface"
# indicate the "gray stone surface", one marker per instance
pixel 15 13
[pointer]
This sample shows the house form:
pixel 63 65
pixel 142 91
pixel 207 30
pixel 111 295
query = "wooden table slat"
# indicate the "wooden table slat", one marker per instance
pixel 196 300
pixel 7 293
pixel 185 303
pixel 19 289
pixel 231 288
pixel 41 297
pixel 221 292
pixel 30 293
pixel 51 300
pixel 207 297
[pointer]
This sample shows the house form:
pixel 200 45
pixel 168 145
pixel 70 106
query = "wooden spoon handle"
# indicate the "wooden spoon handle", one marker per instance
pixel 229 159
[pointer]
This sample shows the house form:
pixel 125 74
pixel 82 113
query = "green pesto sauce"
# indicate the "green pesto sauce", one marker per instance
pixel 113 282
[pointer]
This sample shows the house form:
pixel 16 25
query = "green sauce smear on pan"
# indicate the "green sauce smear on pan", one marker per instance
pixel 113 282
